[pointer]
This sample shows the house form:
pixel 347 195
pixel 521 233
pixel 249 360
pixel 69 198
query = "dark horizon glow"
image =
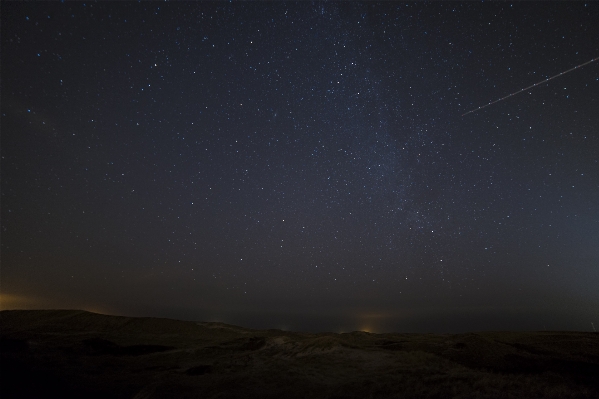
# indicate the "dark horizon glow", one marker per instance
pixel 302 165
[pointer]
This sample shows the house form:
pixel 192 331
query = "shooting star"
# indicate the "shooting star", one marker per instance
pixel 531 86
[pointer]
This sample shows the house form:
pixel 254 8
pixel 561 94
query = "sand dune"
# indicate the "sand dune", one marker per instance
pixel 71 353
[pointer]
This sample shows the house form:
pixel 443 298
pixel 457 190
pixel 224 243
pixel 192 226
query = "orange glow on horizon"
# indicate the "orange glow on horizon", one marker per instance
pixel 24 302
pixel 374 321
pixel 12 301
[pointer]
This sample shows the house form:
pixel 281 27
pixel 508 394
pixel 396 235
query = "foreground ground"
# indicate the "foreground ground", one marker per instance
pixel 76 354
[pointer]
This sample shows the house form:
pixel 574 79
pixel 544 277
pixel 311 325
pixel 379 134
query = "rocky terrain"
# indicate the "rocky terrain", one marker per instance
pixel 78 354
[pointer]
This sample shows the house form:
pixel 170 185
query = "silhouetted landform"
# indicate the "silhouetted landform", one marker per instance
pixel 78 354
pixel 105 347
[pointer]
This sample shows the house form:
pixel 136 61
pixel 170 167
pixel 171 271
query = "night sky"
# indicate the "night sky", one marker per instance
pixel 303 166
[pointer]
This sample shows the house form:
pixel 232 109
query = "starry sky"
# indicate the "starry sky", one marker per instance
pixel 304 165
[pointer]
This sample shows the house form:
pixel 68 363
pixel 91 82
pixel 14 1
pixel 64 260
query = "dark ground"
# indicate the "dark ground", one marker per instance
pixel 78 354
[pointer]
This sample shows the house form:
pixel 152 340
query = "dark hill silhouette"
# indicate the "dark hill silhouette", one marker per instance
pixel 74 354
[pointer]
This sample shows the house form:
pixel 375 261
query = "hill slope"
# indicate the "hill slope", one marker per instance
pixel 71 353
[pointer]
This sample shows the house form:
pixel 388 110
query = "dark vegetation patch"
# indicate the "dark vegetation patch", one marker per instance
pixel 244 344
pixel 581 371
pixel 199 370
pixel 253 343
pixel 13 345
pixel 20 380
pixel 391 345
pixel 101 346
pixel 530 349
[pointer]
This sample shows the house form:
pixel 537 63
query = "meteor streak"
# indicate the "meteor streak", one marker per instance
pixel 531 86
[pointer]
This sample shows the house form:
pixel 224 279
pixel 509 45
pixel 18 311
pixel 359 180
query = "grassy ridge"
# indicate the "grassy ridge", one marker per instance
pixel 73 353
